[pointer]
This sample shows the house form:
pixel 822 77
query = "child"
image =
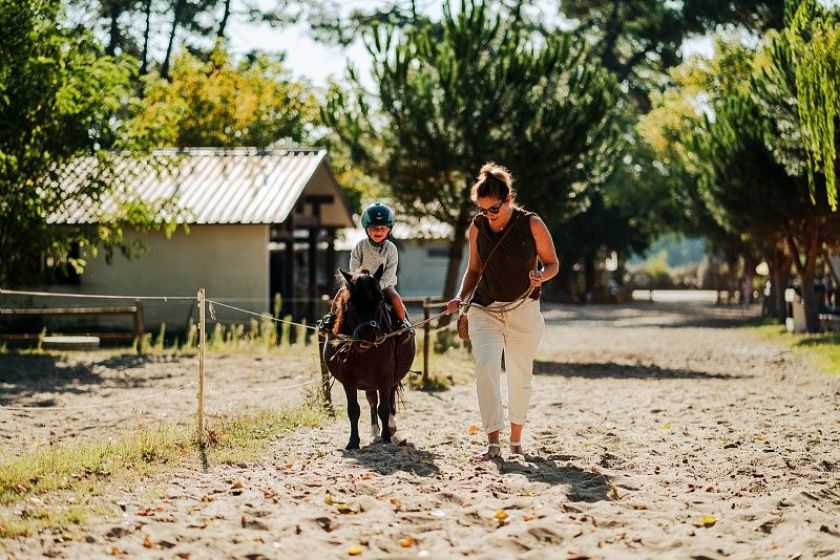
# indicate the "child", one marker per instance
pixel 378 220
pixel 368 254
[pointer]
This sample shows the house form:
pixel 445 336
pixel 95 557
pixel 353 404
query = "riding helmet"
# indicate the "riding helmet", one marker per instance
pixel 378 214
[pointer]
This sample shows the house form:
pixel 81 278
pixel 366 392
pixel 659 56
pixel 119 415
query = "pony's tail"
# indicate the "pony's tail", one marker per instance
pixel 399 393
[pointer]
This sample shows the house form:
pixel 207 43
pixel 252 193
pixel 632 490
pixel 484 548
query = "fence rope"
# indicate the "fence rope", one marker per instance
pixel 103 405
pixel 4 291
pixel 212 302
pixel 214 389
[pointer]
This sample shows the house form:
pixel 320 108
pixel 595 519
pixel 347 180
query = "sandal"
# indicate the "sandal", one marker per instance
pixel 516 448
pixel 494 451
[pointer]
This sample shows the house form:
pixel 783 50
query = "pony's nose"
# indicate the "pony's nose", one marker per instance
pixel 369 329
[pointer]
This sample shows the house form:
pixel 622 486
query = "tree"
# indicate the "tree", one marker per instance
pixel 814 39
pixel 454 95
pixel 638 40
pixel 133 26
pixel 217 103
pixel 58 95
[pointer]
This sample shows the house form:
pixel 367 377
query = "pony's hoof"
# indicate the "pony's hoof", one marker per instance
pixel 399 439
pixel 352 445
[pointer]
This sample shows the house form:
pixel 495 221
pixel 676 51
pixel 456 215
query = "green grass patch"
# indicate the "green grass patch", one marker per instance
pixel 455 366
pixel 34 520
pixel 66 478
pixel 822 350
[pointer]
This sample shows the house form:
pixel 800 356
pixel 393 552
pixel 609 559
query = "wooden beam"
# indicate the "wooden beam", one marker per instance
pixel 71 311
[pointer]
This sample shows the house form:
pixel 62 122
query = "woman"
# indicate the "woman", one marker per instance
pixel 511 254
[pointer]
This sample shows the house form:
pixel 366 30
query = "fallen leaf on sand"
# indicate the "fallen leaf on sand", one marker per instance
pixel 708 521
pixel 207 498
pixel 328 500
pixel 184 555
pixel 355 550
pixel 473 430
pixel 501 515
pixel 527 517
pixel 115 551
pixel 237 485
pixel 408 542
pixel 343 508
pixel 396 504
pixel 614 493
pixel 147 542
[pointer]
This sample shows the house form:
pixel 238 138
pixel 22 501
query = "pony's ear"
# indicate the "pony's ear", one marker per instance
pixel 379 272
pixel 348 278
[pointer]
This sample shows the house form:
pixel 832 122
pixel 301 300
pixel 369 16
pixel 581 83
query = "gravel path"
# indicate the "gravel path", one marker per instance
pixel 656 431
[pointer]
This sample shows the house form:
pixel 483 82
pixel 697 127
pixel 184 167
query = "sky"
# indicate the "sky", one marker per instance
pixel 319 62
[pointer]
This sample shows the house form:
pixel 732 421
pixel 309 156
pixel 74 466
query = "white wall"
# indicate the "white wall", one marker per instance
pixel 229 261
pixel 423 267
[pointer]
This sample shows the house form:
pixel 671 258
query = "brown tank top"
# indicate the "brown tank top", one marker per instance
pixel 505 276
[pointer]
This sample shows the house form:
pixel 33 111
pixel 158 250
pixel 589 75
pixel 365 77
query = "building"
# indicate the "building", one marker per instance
pixel 256 223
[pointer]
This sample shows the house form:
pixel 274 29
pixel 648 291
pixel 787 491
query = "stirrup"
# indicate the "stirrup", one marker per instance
pixel 516 448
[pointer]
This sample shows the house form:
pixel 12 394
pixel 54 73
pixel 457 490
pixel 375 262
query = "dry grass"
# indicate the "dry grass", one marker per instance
pixel 62 483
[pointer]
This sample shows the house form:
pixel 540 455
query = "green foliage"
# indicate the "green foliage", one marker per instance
pixel 639 40
pixel 454 95
pixel 814 35
pixel 58 98
pixel 217 103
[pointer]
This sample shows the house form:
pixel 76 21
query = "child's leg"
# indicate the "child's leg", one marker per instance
pixel 396 303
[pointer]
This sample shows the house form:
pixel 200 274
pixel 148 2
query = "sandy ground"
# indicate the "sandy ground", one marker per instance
pixel 83 395
pixel 656 431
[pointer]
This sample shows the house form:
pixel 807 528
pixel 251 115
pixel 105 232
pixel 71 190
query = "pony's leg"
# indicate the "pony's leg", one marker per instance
pixel 392 417
pixel 373 401
pixel 353 412
pixel 384 410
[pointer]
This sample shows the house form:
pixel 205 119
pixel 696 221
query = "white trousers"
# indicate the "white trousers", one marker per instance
pixel 517 333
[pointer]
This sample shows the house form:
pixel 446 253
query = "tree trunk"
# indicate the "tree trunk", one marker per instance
pixel 780 274
pixel 747 282
pixel 114 36
pixel 589 277
pixel 224 22
pixel 144 63
pixel 806 271
pixel 456 255
pixel 176 19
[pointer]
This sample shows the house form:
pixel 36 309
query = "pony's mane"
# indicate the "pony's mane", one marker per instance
pixel 342 300
pixel 341 306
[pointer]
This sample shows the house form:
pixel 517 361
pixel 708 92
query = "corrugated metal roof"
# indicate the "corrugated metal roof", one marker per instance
pixel 209 185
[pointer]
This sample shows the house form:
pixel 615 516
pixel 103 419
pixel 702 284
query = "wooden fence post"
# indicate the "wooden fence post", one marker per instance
pixel 326 396
pixel 138 325
pixel 427 332
pixel 202 347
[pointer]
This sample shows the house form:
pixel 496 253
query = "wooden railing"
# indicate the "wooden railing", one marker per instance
pixel 135 310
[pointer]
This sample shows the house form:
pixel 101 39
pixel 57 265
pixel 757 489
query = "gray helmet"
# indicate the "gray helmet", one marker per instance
pixel 378 214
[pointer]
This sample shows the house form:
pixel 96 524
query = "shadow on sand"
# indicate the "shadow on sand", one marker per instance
pixel 389 458
pixel 23 376
pixel 621 371
pixel 583 486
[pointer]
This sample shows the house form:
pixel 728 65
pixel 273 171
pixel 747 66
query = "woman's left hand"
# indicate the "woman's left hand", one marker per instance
pixel 536 278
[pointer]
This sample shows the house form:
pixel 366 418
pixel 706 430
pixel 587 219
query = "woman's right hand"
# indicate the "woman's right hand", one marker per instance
pixel 453 305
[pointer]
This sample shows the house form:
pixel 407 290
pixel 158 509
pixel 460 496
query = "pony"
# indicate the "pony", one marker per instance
pixel 364 352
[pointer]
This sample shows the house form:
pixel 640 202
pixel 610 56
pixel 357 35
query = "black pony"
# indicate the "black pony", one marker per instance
pixel 364 352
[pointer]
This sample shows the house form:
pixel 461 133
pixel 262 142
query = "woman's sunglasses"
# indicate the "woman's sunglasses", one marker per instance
pixel 495 209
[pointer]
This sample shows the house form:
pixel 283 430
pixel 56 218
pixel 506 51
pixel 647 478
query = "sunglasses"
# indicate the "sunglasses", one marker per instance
pixel 495 209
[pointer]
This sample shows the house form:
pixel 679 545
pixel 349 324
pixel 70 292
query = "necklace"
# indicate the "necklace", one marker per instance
pixel 501 229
